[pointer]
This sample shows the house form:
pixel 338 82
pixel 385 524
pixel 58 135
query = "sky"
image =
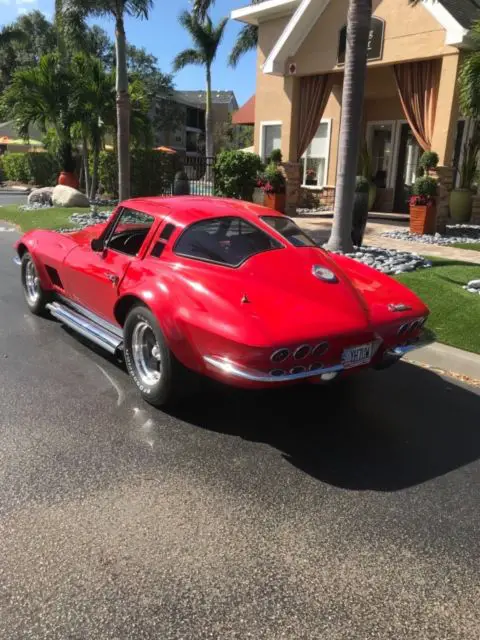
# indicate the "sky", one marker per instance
pixel 164 37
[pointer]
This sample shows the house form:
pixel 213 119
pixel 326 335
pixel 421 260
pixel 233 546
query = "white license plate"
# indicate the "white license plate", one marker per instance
pixel 356 356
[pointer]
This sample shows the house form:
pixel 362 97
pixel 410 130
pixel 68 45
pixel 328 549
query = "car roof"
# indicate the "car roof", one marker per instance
pixel 187 209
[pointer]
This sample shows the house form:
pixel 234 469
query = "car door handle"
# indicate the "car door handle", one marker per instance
pixel 113 278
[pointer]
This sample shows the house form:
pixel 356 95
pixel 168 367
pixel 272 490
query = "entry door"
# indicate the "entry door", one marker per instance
pixel 409 152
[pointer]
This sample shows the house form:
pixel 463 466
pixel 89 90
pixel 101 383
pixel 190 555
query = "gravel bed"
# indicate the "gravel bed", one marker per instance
pixel 82 220
pixel 465 233
pixel 473 287
pixel 388 261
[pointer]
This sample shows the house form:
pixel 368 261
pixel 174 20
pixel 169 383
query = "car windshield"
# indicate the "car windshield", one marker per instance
pixel 228 241
pixel 289 230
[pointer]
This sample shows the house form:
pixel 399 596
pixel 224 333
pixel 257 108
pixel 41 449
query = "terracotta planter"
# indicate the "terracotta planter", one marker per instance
pixel 68 179
pixel 275 201
pixel 422 219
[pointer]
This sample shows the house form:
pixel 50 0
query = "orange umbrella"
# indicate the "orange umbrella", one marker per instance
pixel 165 149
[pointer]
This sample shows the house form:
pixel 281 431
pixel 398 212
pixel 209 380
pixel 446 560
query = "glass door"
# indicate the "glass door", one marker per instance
pixel 409 152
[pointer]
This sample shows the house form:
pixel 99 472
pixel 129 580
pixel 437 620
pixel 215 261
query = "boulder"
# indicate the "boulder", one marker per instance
pixel 41 196
pixel 474 284
pixel 67 197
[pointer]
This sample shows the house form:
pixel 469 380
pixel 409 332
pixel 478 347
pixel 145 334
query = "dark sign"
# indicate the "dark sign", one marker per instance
pixel 375 41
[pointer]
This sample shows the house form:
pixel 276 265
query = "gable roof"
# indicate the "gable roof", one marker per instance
pixel 455 16
pixel 246 113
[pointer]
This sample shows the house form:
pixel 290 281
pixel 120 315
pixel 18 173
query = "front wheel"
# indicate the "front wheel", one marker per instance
pixel 151 364
pixel 35 296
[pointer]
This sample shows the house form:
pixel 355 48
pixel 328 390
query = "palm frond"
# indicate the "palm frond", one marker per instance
pixel 186 57
pixel 10 34
pixel 469 84
pixel 246 41
pixel 200 8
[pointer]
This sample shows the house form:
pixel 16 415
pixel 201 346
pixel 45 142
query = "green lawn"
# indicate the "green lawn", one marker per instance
pixel 53 218
pixel 473 246
pixel 455 313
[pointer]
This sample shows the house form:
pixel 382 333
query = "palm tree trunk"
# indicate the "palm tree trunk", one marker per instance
pixel 94 186
pixel 85 164
pixel 209 116
pixel 123 111
pixel 358 29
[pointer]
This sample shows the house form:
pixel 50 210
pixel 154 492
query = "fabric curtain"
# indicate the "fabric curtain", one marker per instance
pixel 417 86
pixel 314 94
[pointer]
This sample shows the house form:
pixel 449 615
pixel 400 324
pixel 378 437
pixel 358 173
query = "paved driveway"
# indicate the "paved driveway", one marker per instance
pixel 344 512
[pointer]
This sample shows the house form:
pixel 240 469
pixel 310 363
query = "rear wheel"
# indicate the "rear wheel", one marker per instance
pixel 36 298
pixel 153 367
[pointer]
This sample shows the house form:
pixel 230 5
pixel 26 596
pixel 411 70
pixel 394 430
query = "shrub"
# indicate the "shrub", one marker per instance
pixel 276 156
pixel 272 180
pixel 429 160
pixel 236 174
pixel 152 172
pixel 36 168
pixel 362 185
pixel 424 191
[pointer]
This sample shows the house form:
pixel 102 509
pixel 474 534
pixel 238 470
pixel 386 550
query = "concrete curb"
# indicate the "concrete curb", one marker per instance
pixel 450 359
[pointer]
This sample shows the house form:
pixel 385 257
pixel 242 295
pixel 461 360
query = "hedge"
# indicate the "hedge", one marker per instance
pixel 152 172
pixel 236 174
pixel 40 169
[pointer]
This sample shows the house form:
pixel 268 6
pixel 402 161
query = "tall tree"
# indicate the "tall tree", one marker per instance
pixel 358 29
pixel 117 9
pixel 206 38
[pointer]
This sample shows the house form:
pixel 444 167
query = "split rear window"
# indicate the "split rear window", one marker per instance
pixel 229 241
pixel 289 230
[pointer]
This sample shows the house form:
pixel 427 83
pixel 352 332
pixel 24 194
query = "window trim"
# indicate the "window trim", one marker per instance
pixel 328 121
pixel 224 264
pixel 263 124
pixel 143 246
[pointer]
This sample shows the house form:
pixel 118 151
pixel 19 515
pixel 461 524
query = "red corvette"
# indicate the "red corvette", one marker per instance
pixel 219 287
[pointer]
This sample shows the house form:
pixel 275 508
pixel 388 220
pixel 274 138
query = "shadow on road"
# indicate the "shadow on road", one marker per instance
pixel 382 431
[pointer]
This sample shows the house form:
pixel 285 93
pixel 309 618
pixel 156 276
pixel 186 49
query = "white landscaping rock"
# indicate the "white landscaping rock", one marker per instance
pixel 67 197
pixel 41 196
pixel 474 284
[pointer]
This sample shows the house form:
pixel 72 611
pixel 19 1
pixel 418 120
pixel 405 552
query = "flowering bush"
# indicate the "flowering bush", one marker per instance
pixel 421 201
pixel 272 180
pixel 424 192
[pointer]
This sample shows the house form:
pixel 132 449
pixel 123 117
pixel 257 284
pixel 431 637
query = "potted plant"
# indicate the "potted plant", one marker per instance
pixel 67 175
pixel 422 205
pixel 428 161
pixel 311 177
pixel 272 183
pixel 276 157
pixel 461 198
pixel 360 210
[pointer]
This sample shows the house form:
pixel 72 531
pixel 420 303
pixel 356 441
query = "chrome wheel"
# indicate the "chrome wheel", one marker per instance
pixel 146 354
pixel 32 284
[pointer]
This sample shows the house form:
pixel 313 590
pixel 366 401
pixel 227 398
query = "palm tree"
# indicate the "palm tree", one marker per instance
pixel 206 38
pixel 117 9
pixel 41 95
pixel 358 29
pixel 94 103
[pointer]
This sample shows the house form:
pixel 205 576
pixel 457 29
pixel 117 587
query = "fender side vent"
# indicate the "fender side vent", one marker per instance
pixel 54 277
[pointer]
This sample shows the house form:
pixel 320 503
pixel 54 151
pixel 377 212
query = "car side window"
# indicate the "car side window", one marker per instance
pixel 163 238
pixel 130 231
pixel 229 241
pixel 290 231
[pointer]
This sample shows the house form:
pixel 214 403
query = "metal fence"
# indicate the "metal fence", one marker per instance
pixel 201 175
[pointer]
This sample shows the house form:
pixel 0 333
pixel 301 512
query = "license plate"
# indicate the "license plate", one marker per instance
pixel 356 356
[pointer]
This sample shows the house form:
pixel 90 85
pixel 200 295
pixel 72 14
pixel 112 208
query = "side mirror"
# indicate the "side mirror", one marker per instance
pixel 97 244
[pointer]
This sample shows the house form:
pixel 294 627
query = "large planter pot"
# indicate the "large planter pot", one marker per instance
pixel 68 179
pixel 422 219
pixel 359 218
pixel 460 205
pixel 181 185
pixel 258 196
pixel 275 201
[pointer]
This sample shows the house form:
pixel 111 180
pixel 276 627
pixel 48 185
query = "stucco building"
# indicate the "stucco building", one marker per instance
pixel 411 99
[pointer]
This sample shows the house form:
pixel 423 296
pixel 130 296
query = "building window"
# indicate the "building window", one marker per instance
pixel 271 138
pixel 315 159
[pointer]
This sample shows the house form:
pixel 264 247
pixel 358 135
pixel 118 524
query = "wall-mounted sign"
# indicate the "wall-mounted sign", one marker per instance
pixel 375 41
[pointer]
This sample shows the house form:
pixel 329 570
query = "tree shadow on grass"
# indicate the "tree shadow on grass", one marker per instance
pixel 382 431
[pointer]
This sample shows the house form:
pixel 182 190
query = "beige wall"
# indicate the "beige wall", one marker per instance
pixel 410 33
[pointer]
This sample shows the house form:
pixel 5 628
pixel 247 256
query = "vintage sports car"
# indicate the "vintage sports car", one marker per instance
pixel 219 287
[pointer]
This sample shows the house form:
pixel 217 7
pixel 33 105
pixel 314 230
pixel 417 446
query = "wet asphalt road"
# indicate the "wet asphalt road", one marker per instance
pixel 346 512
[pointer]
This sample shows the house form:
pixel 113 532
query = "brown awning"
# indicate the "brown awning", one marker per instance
pixel 246 113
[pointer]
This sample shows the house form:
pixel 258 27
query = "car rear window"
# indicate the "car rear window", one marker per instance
pixel 228 241
pixel 289 230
